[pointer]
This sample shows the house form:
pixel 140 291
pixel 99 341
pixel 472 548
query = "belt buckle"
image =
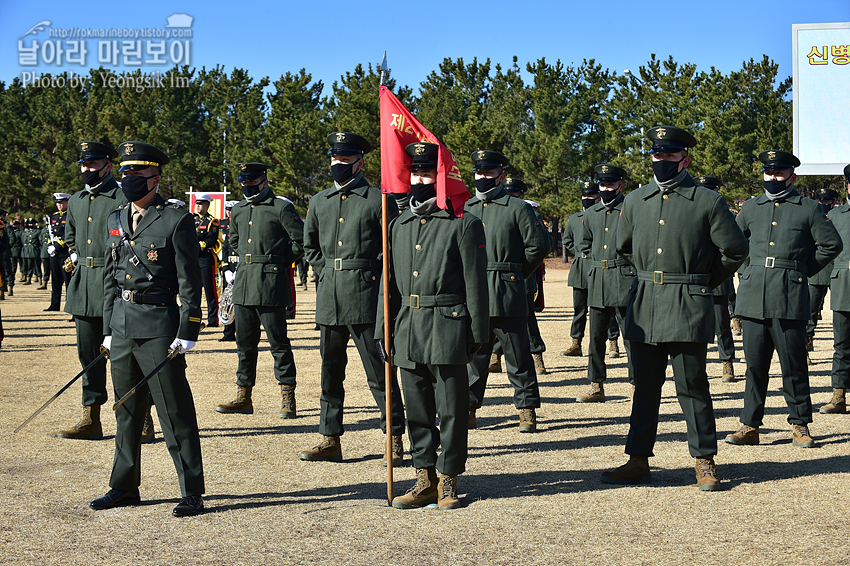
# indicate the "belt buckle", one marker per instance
pixel 769 262
pixel 604 264
pixel 658 277
pixel 414 301
pixel 89 262
pixel 127 295
pixel 248 258
pixel 338 264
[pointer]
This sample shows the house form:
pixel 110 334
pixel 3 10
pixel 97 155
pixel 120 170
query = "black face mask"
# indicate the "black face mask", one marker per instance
pixel 665 170
pixel 608 196
pixel 587 202
pixel 483 185
pixel 421 193
pixel 826 207
pixel 135 187
pixel 774 186
pixel 251 190
pixel 342 172
pixel 93 178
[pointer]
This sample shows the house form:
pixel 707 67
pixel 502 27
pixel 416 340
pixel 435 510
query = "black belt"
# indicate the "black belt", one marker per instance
pixel 144 298
pixel 503 266
pixel 343 264
pixel 426 301
pixel 610 263
pixel 94 262
pixel 663 278
pixel 258 258
pixel 774 262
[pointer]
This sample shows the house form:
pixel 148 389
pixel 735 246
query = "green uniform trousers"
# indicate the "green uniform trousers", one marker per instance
pixel 59 278
pixel 512 332
pixel 688 361
pixel 433 391
pixel 788 338
pixel 131 361
pixel 535 340
pixel 333 341
pixel 600 329
pixel 723 328
pixel 841 355
pixel 817 295
pixel 89 339
pixel 579 313
pixel 247 321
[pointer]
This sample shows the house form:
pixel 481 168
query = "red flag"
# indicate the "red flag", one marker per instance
pixel 398 129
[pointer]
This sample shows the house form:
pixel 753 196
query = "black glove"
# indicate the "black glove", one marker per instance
pixel 472 348
pixel 382 351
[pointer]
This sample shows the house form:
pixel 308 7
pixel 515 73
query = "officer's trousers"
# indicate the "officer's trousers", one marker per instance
pixel 433 391
pixel 333 341
pixel 688 361
pixel 89 339
pixel 723 328
pixel 131 361
pixel 788 338
pixel 512 332
pixel 59 277
pixel 579 313
pixel 600 329
pixel 841 355
pixel 273 319
pixel 535 340
pixel 817 295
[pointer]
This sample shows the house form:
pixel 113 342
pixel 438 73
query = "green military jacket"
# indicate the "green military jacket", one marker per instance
pixel 682 244
pixel 14 241
pixel 572 233
pixel 727 287
pixel 517 243
pixel 267 235
pixel 165 243
pixel 85 234
pixel 44 237
pixel 438 288
pixel 839 284
pixel 790 239
pixel 31 243
pixel 343 242
pixel 609 276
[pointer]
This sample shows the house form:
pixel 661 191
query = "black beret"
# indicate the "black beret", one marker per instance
pixel 424 155
pixel 92 150
pixel 775 159
pixel 485 159
pixel 346 143
pixel 670 139
pixel 608 173
pixel 139 155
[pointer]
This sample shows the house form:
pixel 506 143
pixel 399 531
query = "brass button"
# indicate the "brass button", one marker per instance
pixel 91 198
pixel 665 197
pixel 776 204
pixel 800 279
pixel 423 221
pixel 774 223
pixel 153 245
pixel 133 243
pixel 373 278
pixel 485 205
pixel 513 277
pixel 341 220
pixel 454 313
pixel 659 250
pixel 128 276
pixel 605 247
pixel 772 244
pixel 89 218
pixel 339 243
pixel 250 223
pixel 608 212
pixel 661 222
pixel 249 240
pixel 344 197
pixel 483 224
pixel 159 207
pixel 606 228
pixel 418 247
pixel 416 274
pixel 703 290
pixel 275 268
pixel 88 241
pixel 253 205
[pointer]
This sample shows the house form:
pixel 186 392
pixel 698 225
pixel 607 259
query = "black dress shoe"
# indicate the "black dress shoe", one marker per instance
pixel 116 498
pixel 188 506
pixel 51 309
pixel 227 339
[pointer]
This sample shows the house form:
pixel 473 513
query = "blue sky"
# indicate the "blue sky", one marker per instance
pixel 330 38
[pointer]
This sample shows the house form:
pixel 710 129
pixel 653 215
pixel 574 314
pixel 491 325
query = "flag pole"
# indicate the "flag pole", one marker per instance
pixel 388 369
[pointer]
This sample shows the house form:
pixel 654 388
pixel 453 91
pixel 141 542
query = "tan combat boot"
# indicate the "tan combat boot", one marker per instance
pixel 11 291
pixel 398 452
pixel 728 372
pixel 745 436
pixel 495 363
pixel 242 404
pixel 22 278
pixel 574 350
pixel 635 471
pixel 810 344
pixel 838 403
pixel 707 479
pixel 737 328
pixel 527 420
pixel 88 428
pixel 595 395
pixel 801 437
pixel 471 422
pixel 43 284
pixel 447 490
pixel 538 364
pixel 148 430
pixel 328 450
pixel 423 493
pixel 28 280
pixel 2 295
pixel 287 407
pixel 613 349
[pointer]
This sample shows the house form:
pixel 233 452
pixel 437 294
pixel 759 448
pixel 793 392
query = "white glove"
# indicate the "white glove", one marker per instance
pixel 74 257
pixel 51 249
pixel 183 345
pixel 229 276
pixel 107 342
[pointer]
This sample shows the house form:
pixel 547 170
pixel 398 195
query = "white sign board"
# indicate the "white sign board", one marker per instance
pixel 821 97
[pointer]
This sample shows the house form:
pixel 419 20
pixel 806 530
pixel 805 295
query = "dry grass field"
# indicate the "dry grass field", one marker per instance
pixel 528 499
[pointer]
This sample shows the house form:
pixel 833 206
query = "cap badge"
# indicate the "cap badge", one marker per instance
pixel 420 149
pixel 84 146
pixel 481 154
pixel 243 166
pixel 604 168
pixel 340 137
pixel 702 179
pixel 660 133
pixel 771 155
pixel 128 149
pixel 586 184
